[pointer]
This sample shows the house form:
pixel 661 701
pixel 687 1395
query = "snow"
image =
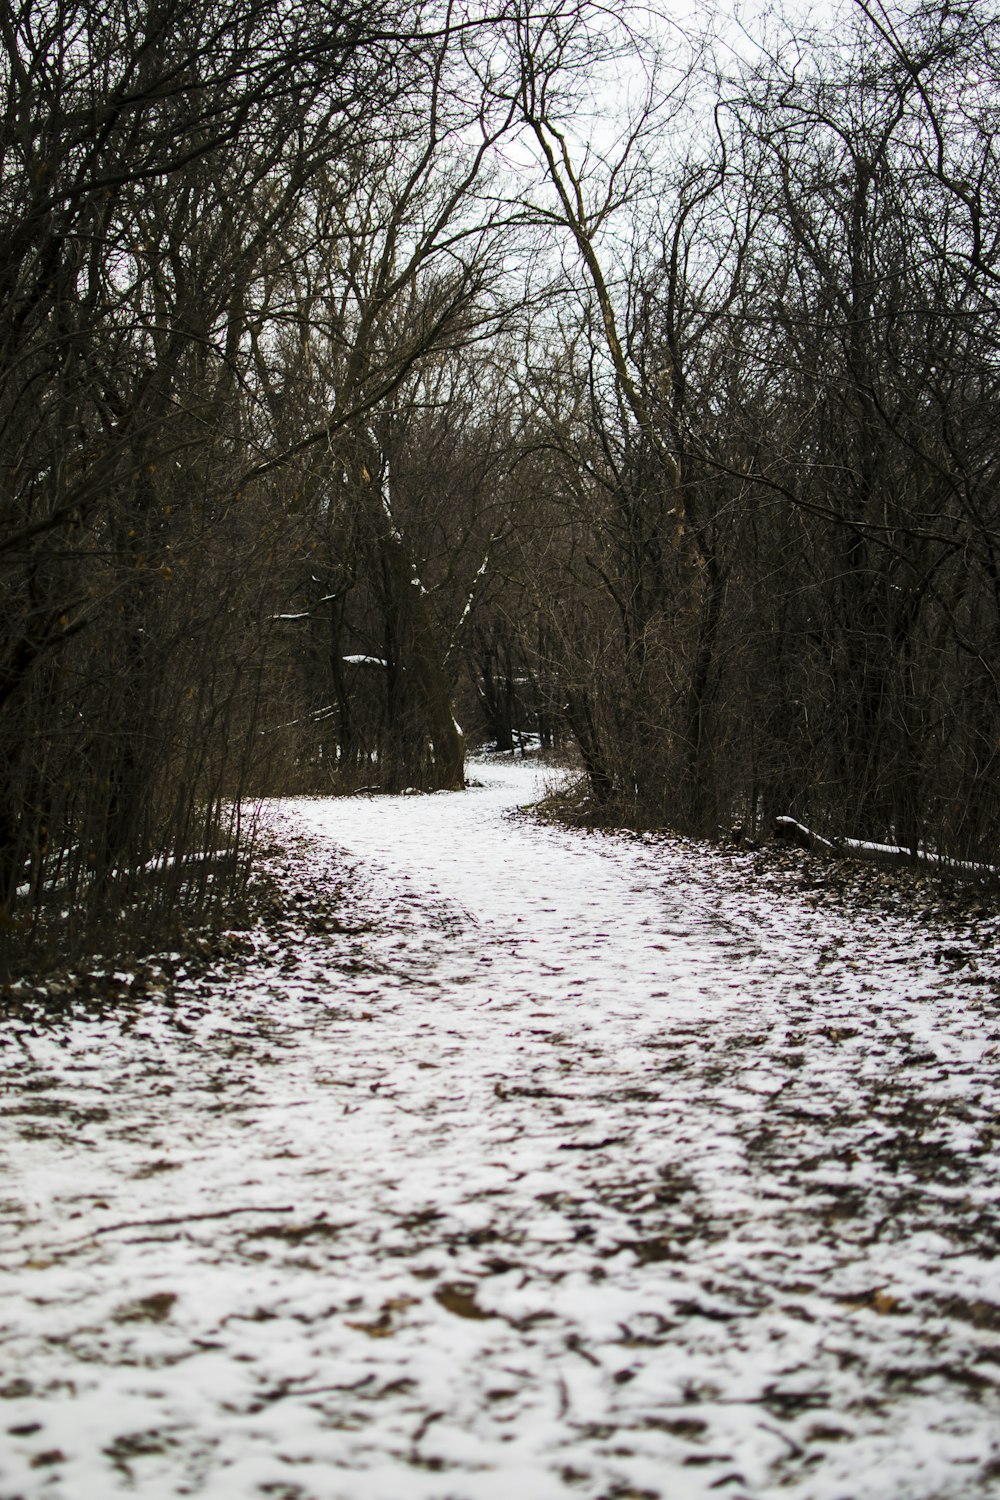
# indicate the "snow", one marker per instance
pixel 538 1164
pixel 160 864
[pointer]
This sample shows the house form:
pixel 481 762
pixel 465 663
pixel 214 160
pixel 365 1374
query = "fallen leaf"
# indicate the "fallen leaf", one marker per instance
pixel 460 1301
pixel 50 1456
pixel 381 1329
pixel 152 1309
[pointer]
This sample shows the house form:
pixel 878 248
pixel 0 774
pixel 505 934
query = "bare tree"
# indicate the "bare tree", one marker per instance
pixel 151 160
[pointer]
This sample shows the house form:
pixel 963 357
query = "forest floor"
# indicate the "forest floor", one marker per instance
pixel 504 1161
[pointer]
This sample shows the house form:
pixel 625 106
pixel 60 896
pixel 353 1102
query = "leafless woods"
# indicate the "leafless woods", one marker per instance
pixel 362 362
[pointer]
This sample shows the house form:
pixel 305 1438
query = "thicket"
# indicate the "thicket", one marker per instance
pixel 356 366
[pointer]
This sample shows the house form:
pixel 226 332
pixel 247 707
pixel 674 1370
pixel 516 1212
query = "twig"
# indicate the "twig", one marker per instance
pixel 221 1213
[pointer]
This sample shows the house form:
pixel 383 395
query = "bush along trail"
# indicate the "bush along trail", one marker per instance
pixel 508 1160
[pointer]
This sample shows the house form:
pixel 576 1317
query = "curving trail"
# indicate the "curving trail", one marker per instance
pixel 531 1164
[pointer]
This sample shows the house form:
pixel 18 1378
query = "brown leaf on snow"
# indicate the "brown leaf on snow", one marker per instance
pixel 878 1300
pixel 383 1327
pixel 461 1301
pixel 49 1457
pixel 152 1309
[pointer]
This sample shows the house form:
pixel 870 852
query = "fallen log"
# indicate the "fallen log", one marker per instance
pixel 792 831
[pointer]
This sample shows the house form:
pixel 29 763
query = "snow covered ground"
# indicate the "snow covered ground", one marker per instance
pixel 528 1164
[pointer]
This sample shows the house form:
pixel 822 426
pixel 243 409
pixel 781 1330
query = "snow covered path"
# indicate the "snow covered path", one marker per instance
pixel 538 1165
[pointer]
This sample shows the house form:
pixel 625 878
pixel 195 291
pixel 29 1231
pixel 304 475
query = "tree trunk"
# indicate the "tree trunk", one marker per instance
pixel 428 743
